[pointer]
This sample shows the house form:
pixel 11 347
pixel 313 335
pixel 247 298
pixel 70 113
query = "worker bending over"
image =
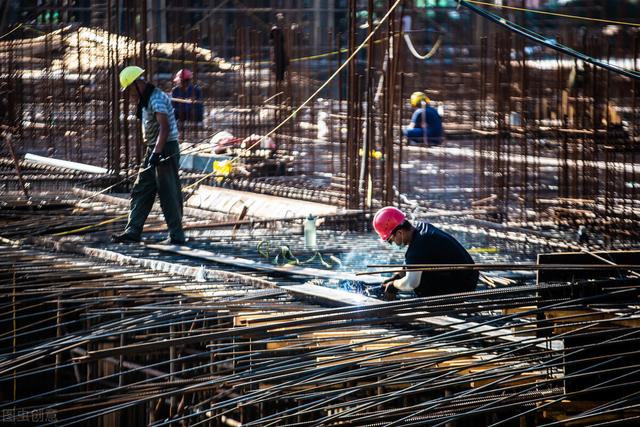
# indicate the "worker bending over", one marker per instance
pixel 425 244
pixel 159 173
pixel 424 117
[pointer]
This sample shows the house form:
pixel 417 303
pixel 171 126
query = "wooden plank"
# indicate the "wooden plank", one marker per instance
pixel 521 379
pixel 628 257
pixel 258 205
pixel 342 298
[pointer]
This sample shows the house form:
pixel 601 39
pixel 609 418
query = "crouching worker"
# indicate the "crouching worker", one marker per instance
pixel 426 124
pixel 425 244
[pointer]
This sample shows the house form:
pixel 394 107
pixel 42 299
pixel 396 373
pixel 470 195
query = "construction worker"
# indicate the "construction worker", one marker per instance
pixel 191 109
pixel 424 117
pixel 425 244
pixel 159 173
pixel 280 57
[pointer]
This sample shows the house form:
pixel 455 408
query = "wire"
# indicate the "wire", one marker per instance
pixel 11 31
pixel 207 15
pixel 119 217
pixel 415 53
pixel 271 132
pixel 562 15
pixel 326 54
pixel 551 43
pixel 90 226
pixel 313 95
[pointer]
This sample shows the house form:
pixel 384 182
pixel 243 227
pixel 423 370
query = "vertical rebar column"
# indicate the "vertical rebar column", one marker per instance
pixel 505 93
pixel 172 368
pixel 524 122
pixel 596 121
pixel 340 121
pixel 496 167
pixel 144 59
pixel 62 105
pixel 634 130
pixel 110 120
pixel 56 374
pixel 610 177
pixel 14 341
pixel 352 85
pixel 387 116
pixel 80 115
pixel 400 139
pixel 366 172
pixel 121 357
pixel 48 113
pixel 479 176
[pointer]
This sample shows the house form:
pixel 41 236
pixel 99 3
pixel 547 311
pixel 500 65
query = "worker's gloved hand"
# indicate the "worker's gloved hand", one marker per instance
pixel 392 278
pixel 389 280
pixel 389 291
pixel 154 159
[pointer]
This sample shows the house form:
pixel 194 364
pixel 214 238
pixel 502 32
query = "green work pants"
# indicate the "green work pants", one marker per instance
pixel 164 181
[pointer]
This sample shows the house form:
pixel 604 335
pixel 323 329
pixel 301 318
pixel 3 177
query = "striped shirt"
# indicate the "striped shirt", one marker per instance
pixel 159 102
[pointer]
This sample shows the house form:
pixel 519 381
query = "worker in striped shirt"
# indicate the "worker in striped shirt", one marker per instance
pixel 159 174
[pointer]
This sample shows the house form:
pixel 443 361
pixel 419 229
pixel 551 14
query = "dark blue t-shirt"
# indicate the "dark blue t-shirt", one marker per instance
pixel 185 111
pixel 431 245
pixel 433 121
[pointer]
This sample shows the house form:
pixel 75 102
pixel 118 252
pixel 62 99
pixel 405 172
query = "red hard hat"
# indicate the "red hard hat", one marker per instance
pixel 386 220
pixel 183 74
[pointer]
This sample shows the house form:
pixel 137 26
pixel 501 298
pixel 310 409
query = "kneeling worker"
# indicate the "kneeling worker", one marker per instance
pixel 426 244
pixel 425 119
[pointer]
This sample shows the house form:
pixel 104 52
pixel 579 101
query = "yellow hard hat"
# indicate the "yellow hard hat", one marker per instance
pixel 129 75
pixel 417 98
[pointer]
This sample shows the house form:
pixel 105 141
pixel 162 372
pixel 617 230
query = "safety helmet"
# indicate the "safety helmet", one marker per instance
pixel 417 98
pixel 129 75
pixel 183 74
pixel 387 220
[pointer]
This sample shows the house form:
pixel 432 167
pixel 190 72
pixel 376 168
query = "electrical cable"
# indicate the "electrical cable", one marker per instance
pixel 548 42
pixel 415 53
pixel 314 94
pixel 562 15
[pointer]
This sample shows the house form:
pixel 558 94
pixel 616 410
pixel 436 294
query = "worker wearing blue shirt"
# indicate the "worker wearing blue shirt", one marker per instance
pixel 187 98
pixel 424 117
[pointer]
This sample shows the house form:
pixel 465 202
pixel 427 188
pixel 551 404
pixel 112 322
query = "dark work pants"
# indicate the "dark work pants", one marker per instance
pixel 417 135
pixel 164 181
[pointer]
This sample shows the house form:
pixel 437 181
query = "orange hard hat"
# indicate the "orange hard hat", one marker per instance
pixel 387 220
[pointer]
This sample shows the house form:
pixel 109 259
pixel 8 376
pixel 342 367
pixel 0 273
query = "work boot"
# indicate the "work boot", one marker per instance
pixel 172 241
pixel 124 238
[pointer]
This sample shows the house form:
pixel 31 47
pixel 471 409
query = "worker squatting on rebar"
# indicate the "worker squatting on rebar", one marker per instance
pixel 159 173
pixel 424 118
pixel 425 244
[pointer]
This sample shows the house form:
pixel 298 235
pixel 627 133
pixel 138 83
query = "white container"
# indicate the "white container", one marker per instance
pixel 310 232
